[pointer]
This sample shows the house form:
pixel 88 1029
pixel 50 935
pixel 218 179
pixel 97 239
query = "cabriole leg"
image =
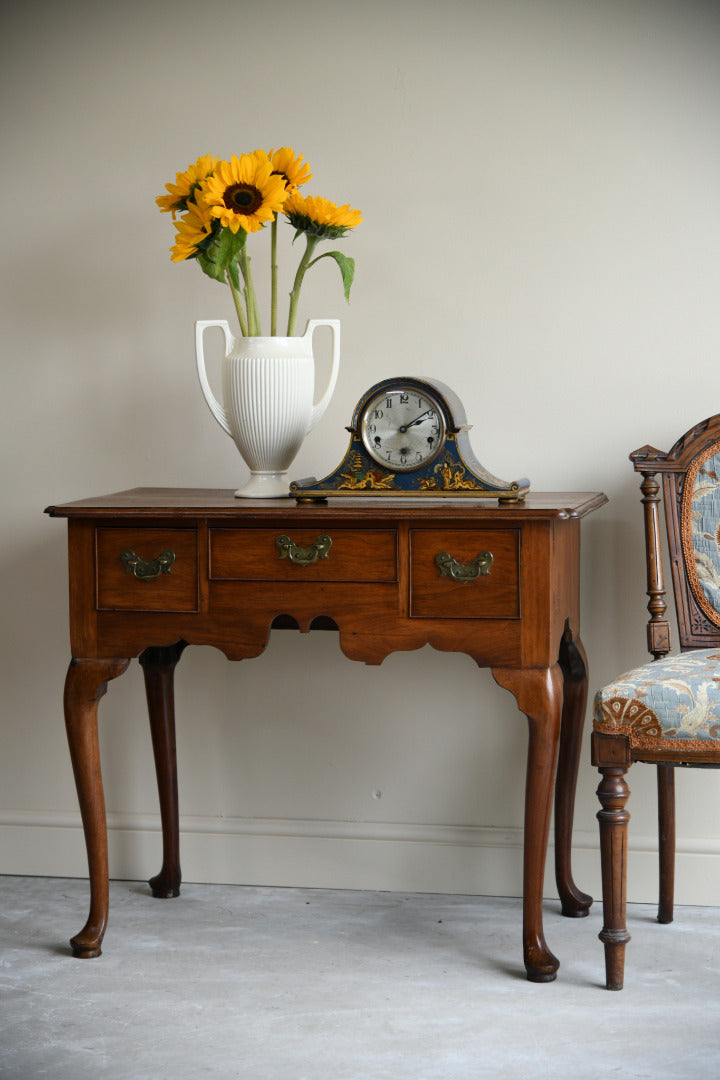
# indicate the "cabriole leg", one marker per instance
pixel 538 692
pixel 85 684
pixel 613 793
pixel 158 666
pixel 573 663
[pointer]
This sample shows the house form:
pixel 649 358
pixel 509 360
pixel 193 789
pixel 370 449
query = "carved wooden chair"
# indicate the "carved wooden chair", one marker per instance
pixel 668 711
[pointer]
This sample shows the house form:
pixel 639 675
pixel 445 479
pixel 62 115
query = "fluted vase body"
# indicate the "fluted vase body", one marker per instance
pixel 268 407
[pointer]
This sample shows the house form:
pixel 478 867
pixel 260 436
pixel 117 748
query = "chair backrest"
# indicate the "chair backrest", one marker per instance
pixel 691 496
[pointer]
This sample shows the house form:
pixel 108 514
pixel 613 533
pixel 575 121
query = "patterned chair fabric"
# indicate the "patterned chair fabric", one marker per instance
pixel 703 513
pixel 671 701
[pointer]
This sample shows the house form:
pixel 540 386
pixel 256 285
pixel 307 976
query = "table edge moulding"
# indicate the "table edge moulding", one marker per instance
pixel 153 570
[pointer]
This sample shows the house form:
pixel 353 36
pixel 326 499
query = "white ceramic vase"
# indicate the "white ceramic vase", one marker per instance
pixel 268 386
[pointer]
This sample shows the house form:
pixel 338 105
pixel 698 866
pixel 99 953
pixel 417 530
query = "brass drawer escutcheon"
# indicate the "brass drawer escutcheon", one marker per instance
pixel 146 571
pixel 303 556
pixel 464 572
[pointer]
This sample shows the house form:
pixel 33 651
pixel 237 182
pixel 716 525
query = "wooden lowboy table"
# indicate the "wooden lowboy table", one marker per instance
pixel 153 570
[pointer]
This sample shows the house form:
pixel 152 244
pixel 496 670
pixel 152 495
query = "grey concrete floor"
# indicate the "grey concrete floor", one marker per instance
pixel 300 984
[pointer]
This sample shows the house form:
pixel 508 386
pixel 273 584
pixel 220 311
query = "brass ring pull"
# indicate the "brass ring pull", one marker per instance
pixel 146 571
pixel 303 556
pixel 463 572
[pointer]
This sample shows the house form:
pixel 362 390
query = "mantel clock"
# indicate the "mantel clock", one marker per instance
pixel 409 437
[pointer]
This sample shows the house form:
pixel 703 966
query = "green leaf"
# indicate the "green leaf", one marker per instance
pixel 228 246
pixel 220 253
pixel 347 268
pixel 210 267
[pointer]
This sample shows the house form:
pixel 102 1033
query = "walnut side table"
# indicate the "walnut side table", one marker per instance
pixel 153 570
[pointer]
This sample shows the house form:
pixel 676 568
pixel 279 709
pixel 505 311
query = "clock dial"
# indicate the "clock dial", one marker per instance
pixel 402 428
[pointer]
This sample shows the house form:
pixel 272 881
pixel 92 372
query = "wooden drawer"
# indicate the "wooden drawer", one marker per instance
pixel 491 595
pixel 304 555
pixel 122 586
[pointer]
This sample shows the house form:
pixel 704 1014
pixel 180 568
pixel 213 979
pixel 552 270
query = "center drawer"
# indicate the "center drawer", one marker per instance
pixel 303 554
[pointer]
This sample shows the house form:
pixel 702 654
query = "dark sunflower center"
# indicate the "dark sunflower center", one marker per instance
pixel 242 198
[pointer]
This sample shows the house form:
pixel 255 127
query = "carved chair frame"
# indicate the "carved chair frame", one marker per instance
pixel 698 628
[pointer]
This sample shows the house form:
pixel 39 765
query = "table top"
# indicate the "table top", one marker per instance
pixel 221 503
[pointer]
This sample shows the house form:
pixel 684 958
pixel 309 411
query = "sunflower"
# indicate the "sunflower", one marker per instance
pixel 195 226
pixel 319 217
pixel 291 168
pixel 186 184
pixel 244 193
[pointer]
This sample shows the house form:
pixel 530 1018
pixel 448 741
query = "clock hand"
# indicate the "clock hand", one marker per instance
pixel 421 417
pixel 417 420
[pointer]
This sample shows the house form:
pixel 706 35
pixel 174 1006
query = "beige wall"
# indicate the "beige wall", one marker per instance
pixel 541 188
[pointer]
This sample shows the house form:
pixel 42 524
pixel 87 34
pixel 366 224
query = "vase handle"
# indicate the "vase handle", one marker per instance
pixel 215 407
pixel 324 401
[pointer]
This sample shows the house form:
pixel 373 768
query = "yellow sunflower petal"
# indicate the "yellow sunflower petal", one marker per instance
pixel 186 183
pixel 192 228
pixel 290 167
pixel 319 216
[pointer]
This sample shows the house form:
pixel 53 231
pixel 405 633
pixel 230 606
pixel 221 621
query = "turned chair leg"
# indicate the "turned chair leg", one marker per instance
pixel 666 833
pixel 613 793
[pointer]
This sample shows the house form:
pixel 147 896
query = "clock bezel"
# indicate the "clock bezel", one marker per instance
pixel 402 388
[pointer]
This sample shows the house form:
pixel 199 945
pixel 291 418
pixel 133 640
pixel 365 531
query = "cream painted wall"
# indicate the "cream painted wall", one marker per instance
pixel 541 190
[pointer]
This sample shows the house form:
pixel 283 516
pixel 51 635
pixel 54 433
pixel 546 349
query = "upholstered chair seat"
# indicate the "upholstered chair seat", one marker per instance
pixel 673 703
pixel 666 712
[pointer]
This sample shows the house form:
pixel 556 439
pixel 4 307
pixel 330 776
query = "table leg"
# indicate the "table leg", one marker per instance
pixel 158 664
pixel 573 663
pixel 538 692
pixel 85 684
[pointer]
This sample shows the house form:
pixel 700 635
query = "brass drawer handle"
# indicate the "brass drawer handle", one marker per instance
pixel 303 556
pixel 146 571
pixel 463 572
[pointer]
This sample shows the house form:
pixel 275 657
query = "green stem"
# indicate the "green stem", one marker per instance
pixel 256 309
pixel 273 277
pixel 238 304
pixel 312 242
pixel 250 298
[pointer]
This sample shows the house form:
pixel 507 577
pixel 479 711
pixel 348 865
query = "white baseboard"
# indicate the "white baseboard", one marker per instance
pixel 341 855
